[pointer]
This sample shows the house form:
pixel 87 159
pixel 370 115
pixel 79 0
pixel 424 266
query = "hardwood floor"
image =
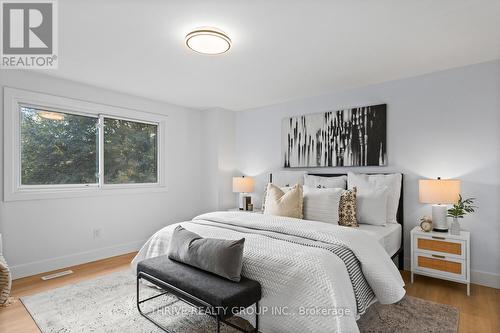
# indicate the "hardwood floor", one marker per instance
pixel 15 318
pixel 478 312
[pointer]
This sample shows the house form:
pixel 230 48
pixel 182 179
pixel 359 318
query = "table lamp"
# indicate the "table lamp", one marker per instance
pixel 440 193
pixel 243 185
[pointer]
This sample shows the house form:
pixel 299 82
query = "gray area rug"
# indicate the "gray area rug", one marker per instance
pixel 412 315
pixel 107 304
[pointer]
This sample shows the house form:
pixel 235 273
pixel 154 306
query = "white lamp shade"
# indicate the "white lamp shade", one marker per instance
pixel 243 184
pixel 439 191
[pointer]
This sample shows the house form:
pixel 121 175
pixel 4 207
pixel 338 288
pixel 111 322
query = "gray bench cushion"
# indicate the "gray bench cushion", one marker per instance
pixel 206 286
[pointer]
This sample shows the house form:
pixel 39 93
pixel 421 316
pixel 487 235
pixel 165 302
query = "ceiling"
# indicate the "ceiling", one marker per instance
pixel 282 50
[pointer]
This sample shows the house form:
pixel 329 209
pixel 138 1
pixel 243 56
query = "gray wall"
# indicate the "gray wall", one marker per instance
pixel 41 235
pixel 442 124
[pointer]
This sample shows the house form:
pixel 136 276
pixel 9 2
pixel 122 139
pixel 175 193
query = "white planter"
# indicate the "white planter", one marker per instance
pixel 455 227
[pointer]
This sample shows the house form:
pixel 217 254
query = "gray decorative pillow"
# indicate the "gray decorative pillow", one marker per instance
pixel 219 256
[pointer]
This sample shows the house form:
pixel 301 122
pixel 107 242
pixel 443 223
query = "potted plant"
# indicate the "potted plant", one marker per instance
pixel 458 211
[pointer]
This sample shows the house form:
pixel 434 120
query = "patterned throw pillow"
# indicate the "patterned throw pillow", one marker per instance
pixel 5 281
pixel 347 209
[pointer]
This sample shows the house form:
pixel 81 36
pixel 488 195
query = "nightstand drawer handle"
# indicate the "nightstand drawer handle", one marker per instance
pixel 436 237
pixel 438 256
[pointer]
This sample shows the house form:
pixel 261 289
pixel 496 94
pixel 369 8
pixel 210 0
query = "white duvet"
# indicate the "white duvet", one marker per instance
pixel 304 289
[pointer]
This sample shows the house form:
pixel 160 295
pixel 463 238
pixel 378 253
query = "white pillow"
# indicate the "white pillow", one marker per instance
pixel 325 182
pixel 371 206
pixel 368 182
pixel 288 178
pixel 322 204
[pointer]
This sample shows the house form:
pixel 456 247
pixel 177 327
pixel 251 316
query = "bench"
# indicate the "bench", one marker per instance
pixel 217 296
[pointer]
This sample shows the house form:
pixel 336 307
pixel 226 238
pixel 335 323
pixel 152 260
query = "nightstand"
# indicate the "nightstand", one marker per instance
pixel 441 255
pixel 257 211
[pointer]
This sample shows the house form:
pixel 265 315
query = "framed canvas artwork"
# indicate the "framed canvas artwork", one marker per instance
pixel 349 137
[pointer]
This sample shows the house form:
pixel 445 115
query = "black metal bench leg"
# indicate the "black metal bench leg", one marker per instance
pixel 137 296
pixel 142 313
pixel 257 317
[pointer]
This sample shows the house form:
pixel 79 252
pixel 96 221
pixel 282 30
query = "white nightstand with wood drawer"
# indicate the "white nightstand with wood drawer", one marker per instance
pixel 441 255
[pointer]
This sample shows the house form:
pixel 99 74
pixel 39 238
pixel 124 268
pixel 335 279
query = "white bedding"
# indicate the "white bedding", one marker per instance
pixel 389 236
pixel 296 276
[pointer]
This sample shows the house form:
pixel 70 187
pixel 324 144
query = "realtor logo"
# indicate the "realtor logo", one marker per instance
pixel 29 34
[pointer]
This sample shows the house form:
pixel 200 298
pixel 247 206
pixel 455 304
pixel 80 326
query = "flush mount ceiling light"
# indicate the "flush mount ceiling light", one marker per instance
pixel 208 40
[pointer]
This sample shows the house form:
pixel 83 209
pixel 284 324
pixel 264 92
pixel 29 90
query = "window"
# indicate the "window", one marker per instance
pixel 63 148
pixel 130 153
pixel 60 147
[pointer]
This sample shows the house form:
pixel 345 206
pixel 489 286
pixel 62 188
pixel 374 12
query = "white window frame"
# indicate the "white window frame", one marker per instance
pixel 14 99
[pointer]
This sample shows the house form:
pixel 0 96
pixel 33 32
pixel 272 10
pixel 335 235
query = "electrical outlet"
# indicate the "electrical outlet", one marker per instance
pixel 96 232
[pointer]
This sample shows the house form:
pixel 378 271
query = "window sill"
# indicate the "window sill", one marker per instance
pixel 67 193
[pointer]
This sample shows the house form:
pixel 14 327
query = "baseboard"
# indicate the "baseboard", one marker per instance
pixel 485 279
pixel 42 266
pixel 477 277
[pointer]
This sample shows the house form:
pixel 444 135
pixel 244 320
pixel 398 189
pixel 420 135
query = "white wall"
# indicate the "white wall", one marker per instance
pixel 443 124
pixel 218 132
pixel 42 235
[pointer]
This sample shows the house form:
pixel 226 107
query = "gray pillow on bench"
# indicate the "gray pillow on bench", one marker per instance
pixel 219 256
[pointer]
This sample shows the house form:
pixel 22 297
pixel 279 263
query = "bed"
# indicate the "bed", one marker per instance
pixel 389 236
pixel 315 276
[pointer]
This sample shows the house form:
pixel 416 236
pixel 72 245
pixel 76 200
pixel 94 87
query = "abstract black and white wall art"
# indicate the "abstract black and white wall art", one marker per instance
pixel 349 137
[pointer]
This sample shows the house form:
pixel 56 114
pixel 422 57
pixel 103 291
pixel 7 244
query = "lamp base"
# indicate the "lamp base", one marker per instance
pixel 439 222
pixel 245 200
pixel 439 230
